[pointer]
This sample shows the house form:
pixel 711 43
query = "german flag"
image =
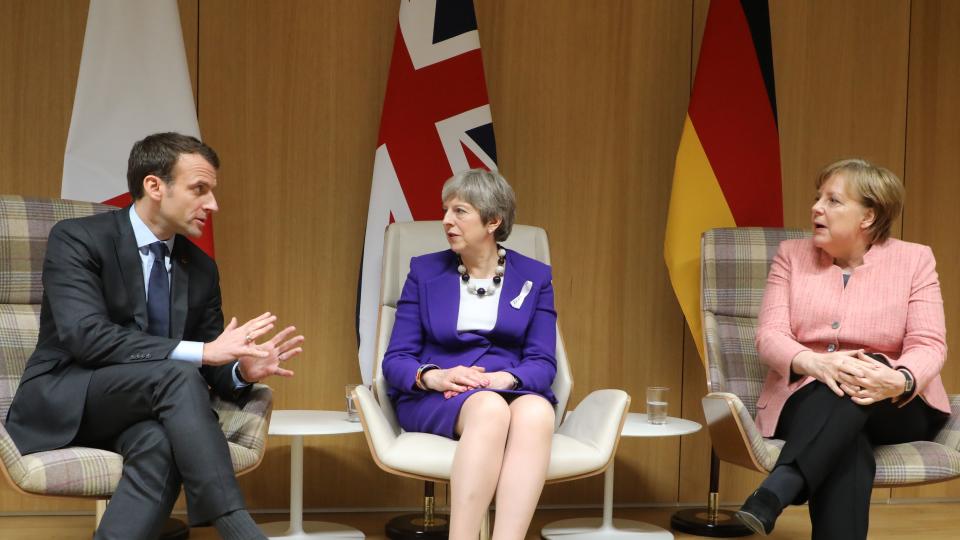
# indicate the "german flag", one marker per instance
pixel 727 172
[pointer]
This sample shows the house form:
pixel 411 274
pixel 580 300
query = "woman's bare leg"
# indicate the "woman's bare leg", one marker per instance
pixel 524 468
pixel 482 426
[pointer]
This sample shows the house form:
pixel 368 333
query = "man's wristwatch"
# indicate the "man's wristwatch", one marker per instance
pixel 908 384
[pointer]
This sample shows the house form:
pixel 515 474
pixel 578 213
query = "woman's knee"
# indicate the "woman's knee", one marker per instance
pixel 487 407
pixel 531 412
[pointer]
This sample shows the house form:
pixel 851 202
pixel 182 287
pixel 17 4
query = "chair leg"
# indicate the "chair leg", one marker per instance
pixel 101 508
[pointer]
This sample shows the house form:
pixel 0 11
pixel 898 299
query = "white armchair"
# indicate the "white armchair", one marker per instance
pixel 583 444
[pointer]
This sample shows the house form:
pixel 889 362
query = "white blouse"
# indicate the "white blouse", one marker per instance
pixel 478 312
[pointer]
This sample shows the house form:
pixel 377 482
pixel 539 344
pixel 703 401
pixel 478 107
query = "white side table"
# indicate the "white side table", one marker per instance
pixel 608 528
pixel 297 424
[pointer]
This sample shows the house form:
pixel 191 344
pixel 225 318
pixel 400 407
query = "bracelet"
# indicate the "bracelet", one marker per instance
pixel 516 381
pixel 420 371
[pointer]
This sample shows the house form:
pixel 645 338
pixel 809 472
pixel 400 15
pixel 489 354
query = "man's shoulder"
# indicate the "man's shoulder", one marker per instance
pixel 93 226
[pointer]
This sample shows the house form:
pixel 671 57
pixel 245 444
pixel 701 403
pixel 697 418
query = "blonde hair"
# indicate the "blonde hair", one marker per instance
pixel 876 187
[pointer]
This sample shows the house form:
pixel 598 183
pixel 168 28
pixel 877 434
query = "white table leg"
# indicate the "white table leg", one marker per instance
pixel 296 528
pixel 606 527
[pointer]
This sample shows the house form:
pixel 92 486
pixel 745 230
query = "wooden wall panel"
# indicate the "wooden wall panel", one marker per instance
pixel 932 164
pixel 841 72
pixel 290 97
pixel 588 105
pixel 40 44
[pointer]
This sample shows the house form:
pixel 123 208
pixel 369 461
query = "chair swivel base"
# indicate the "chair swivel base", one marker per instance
pixel 697 521
pixel 411 526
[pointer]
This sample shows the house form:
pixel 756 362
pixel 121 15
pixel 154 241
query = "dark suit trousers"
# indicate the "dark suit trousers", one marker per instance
pixel 158 416
pixel 831 439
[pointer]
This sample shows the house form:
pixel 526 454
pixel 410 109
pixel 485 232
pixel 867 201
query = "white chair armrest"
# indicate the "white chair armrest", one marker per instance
pixel 598 419
pixel 380 433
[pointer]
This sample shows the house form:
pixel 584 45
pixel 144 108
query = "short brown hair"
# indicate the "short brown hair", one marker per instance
pixel 158 153
pixel 876 187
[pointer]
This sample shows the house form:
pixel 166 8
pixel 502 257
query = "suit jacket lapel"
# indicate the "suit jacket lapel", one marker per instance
pixel 180 283
pixel 131 267
pixel 507 315
pixel 443 304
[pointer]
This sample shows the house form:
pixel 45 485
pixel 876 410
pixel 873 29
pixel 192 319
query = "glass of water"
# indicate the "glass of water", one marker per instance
pixel 657 404
pixel 353 415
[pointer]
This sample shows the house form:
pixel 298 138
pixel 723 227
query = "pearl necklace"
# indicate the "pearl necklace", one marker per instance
pixel 497 279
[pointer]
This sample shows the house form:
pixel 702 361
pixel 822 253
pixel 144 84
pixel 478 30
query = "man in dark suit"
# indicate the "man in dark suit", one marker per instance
pixel 132 339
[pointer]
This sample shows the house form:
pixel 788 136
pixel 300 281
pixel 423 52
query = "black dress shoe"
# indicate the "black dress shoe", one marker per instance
pixel 760 511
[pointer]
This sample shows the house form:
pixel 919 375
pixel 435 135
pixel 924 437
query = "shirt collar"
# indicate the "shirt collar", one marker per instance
pixel 144 235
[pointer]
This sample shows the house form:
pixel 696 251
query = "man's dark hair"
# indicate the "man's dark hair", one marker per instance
pixel 157 154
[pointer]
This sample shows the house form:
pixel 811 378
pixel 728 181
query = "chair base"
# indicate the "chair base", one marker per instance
pixel 697 521
pixel 411 526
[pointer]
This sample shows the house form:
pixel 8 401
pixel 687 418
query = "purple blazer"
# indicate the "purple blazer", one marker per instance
pixel 523 341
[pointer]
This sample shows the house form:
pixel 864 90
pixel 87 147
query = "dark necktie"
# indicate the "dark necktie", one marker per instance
pixel 158 293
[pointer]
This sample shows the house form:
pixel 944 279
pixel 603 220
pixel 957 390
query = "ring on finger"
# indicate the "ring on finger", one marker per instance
pixel 248 338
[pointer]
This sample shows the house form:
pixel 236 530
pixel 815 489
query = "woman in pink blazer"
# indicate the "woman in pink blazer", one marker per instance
pixel 852 331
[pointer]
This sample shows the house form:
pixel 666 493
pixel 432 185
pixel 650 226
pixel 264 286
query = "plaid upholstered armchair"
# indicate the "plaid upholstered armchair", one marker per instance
pixel 76 471
pixel 734 266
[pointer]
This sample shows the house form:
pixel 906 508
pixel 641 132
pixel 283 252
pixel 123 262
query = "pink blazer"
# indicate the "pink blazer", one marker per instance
pixel 891 305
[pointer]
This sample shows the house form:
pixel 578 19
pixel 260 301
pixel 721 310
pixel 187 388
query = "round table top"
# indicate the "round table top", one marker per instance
pixel 312 423
pixel 636 425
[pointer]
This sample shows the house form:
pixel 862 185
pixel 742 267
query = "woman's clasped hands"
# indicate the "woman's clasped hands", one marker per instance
pixel 852 373
pixel 458 379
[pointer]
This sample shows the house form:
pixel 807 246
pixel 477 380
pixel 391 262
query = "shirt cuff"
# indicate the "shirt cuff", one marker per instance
pixel 188 351
pixel 238 383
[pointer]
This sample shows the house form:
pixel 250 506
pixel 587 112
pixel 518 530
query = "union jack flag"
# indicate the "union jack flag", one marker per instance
pixel 435 122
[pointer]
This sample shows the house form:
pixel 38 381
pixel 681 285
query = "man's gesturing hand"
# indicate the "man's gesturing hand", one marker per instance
pixel 257 368
pixel 237 341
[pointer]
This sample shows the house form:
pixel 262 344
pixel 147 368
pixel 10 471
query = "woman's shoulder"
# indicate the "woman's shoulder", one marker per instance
pixel 799 249
pixel 901 249
pixel 527 264
pixel 432 263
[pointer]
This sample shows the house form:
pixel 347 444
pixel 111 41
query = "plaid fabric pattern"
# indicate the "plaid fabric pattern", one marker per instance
pixel 246 428
pixel 76 471
pixel 19 324
pixel 73 471
pixel 734 270
pixel 733 274
pixel 24 226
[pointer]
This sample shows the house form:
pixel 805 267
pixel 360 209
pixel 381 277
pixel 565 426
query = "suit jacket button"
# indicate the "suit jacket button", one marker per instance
pixel 831 347
pixel 835 325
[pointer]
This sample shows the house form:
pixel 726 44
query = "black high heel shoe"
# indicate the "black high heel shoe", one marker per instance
pixel 760 511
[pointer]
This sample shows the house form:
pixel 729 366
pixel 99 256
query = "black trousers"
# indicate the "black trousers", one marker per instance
pixel 158 416
pixel 830 439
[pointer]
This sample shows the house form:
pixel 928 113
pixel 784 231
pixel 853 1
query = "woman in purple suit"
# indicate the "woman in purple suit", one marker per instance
pixel 472 357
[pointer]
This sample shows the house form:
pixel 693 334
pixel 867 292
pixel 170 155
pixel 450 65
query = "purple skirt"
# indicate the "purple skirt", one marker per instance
pixel 429 412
